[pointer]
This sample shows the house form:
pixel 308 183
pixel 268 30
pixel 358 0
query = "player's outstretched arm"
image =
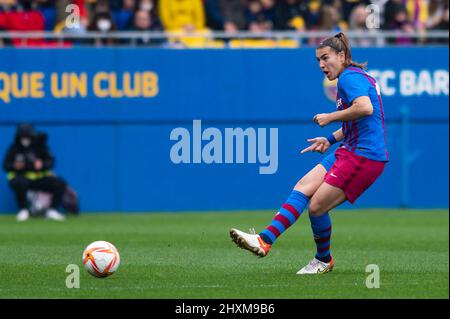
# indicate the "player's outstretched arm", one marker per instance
pixel 322 144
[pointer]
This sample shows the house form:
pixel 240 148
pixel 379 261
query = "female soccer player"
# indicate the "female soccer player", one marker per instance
pixel 341 176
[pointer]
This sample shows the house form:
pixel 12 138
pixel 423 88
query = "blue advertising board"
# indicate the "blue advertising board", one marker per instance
pixel 171 130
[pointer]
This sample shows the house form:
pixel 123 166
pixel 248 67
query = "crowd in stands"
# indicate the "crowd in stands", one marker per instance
pixel 229 16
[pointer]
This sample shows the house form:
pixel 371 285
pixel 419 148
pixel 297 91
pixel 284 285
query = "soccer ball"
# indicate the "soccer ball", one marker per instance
pixel 101 259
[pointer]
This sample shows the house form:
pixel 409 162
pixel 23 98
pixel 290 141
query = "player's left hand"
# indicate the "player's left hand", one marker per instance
pixel 322 119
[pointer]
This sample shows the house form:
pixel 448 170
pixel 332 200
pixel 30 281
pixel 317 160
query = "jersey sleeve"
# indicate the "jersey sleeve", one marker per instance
pixel 354 85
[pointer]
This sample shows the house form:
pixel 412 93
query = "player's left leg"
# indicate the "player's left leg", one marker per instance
pixel 297 201
pixel 260 244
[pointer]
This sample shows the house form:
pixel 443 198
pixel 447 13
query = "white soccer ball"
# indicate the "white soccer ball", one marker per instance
pixel 101 258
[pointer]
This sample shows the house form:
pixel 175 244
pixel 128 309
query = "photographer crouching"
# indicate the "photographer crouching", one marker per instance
pixel 28 163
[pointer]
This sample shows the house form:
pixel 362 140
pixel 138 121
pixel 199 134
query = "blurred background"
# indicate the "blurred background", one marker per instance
pixel 409 21
pixel 109 81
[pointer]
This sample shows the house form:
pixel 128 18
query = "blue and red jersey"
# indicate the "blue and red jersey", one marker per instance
pixel 365 136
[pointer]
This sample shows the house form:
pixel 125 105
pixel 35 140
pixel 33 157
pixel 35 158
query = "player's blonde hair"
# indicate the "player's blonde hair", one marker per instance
pixel 340 43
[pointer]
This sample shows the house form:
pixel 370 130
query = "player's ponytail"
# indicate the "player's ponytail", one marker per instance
pixel 340 43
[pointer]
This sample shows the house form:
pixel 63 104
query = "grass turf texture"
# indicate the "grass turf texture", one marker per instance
pixel 191 255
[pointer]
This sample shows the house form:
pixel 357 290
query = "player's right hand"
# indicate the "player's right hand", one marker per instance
pixel 320 144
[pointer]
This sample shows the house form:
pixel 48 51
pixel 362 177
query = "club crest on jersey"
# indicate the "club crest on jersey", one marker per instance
pixel 330 89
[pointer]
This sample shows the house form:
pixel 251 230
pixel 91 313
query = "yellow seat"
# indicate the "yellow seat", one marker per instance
pixel 263 43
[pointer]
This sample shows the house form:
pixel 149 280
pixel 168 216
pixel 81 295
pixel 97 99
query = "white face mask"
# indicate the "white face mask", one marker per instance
pixel 25 141
pixel 146 6
pixel 104 25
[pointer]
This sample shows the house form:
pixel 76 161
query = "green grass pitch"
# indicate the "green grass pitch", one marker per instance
pixel 190 255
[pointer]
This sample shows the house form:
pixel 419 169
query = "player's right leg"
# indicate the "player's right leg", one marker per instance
pixel 324 199
pixel 260 244
pixel 349 177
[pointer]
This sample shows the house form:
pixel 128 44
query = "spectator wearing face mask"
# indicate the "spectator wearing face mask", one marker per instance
pixel 102 22
pixel 28 163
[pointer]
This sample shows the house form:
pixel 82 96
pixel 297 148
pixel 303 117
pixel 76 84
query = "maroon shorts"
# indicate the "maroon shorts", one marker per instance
pixel 353 173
